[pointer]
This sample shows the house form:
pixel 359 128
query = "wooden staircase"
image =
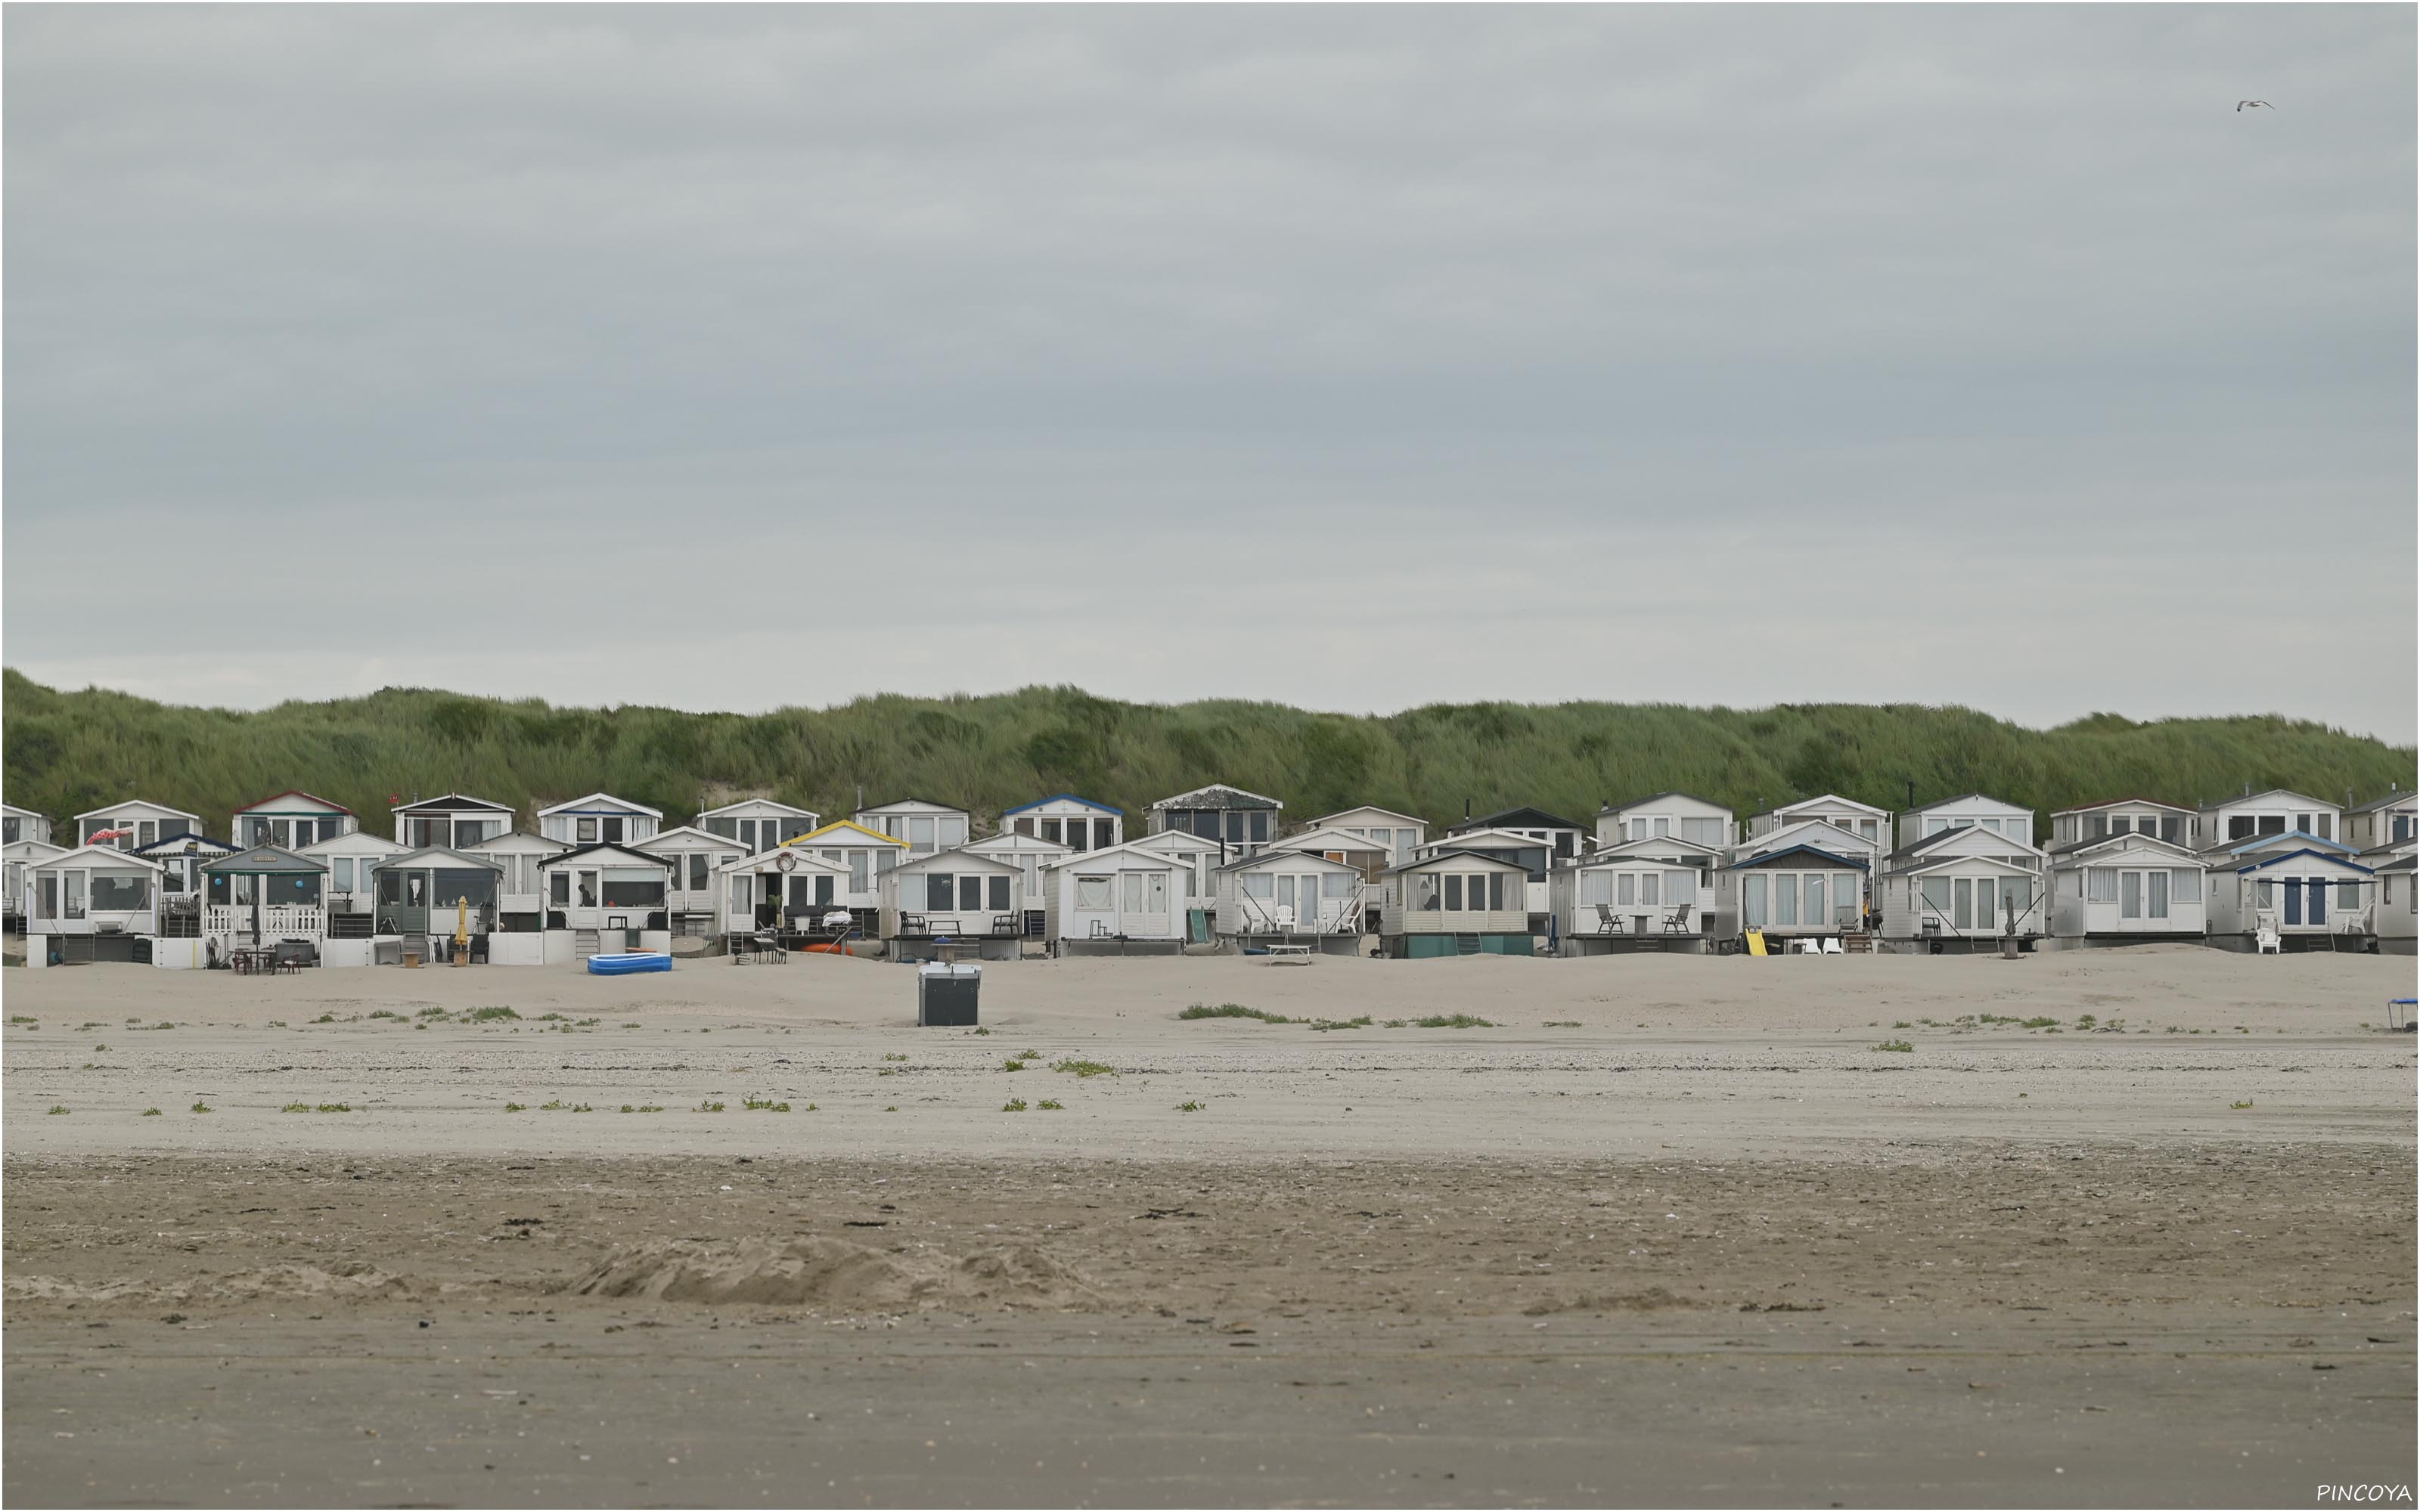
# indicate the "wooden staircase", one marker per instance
pixel 1857 942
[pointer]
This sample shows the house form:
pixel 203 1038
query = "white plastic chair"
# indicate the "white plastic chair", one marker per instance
pixel 1832 946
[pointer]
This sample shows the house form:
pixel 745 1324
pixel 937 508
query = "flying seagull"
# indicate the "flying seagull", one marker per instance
pixel 2260 104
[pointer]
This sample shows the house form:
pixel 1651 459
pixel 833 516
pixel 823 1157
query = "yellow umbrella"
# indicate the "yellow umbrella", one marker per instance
pixel 461 926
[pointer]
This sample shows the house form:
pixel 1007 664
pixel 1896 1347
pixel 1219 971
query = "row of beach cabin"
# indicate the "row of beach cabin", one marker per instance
pixel 1217 867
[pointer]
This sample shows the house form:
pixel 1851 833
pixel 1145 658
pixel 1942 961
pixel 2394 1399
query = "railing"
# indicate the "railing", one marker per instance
pixel 278 921
pixel 1260 915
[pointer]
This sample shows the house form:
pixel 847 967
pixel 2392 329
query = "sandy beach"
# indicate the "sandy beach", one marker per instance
pixel 2113 1226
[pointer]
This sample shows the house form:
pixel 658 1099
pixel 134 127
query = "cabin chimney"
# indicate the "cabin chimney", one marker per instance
pixel 1911 793
pixel 2247 790
pixel 1466 811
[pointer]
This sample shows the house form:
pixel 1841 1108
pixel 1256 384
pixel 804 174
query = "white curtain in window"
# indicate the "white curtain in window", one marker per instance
pixel 1936 898
pixel 1259 885
pixel 2103 885
pixel 2186 886
pixel 1133 891
pixel 1680 888
pixel 1628 888
pixel 1647 884
pixel 1752 901
pixel 1154 892
pixel 1093 894
pixel 1336 885
pixel 1596 886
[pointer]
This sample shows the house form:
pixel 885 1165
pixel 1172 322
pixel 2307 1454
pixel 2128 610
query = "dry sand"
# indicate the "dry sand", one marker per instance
pixel 1670 1230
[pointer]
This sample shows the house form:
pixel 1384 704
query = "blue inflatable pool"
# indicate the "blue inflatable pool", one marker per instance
pixel 629 964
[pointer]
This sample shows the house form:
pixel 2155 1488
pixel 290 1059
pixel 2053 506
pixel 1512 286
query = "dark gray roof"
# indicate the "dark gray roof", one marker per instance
pixel 1218 795
pixel 263 861
pixel 2403 865
pixel 578 850
pixel 452 802
pixel 2399 796
pixel 1451 854
pixel 1510 818
pixel 1658 797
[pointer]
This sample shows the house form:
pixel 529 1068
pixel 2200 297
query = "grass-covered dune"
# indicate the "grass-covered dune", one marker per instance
pixel 67 752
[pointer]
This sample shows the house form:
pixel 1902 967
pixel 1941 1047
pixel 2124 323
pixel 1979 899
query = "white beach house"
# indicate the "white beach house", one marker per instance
pixel 1653 893
pixel 2255 815
pixel 1078 824
pixel 1530 849
pixel 1455 902
pixel 1963 884
pixel 1863 820
pixel 452 822
pixel 600 818
pixel 759 824
pixel 420 898
pixel 261 898
pixel 1798 891
pixel 181 858
pixel 699 892
pixel 1680 815
pixel 2397 918
pixel 1399 835
pixel 19 856
pixel 135 823
pixel 923 826
pixel 2293 893
pixel 1563 838
pixel 789 889
pixel 1032 856
pixel 1284 895
pixel 1975 810
pixel 2087 822
pixel 291 821
pixel 1127 898
pixel 2384 821
pixel 521 892
pixel 350 893
pixel 94 903
pixel 962 899
pixel 24 823
pixel 604 898
pixel 2126 887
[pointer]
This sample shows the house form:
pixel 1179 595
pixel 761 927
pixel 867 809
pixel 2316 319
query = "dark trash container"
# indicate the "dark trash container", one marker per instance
pixel 946 992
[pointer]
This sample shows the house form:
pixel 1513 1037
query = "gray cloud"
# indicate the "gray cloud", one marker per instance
pixel 1354 357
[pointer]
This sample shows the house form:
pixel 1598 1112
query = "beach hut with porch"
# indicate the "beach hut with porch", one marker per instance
pixel 1285 896
pixel 1078 824
pixel 1798 892
pixel 697 859
pixel 266 902
pixel 351 895
pixel 1356 848
pixel 1032 856
pixel 421 898
pixel 454 821
pixel 2395 921
pixel 959 903
pixel 2255 816
pixel 521 892
pixel 600 818
pixel 2126 888
pixel 1455 902
pixel 291 821
pixel 2088 822
pixel 1530 849
pixel 605 899
pixel 94 903
pixel 1400 835
pixel 1562 839
pixel 759 824
pixel 1123 899
pixel 181 858
pixel 867 854
pixel 133 824
pixel 1953 886
pixel 23 824
pixel 1869 824
pixel 1678 815
pixel 2291 893
pixel 1653 893
pixel 2384 821
pixel 789 889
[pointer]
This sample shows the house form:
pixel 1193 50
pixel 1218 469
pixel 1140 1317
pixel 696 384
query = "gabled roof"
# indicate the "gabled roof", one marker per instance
pixel 1368 807
pixel 1828 826
pixel 1924 864
pixel 1963 832
pixel 294 793
pixel 107 853
pixel 1218 795
pixel 2267 861
pixel 1659 798
pixel 905 803
pixel 967 852
pixel 1768 858
pixel 1826 798
pixel 21 813
pixel 1963 798
pixel 2078 849
pixel 1179 840
pixel 1009 840
pixel 135 803
pixel 2273 792
pixel 837 825
pixel 1061 798
pixel 1278 857
pixel 453 803
pixel 263 861
pixel 767 803
pixel 577 852
pixel 519 840
pixel 2405 864
pixel 1650 848
pixel 1318 838
pixel 34 849
pixel 2122 803
pixel 1450 855
pixel 188 846
pixel 1506 818
pixel 1465 838
pixel 572 806
pixel 758 862
pixel 2403 798
pixel 440 855
pixel 690 832
pixel 2254 843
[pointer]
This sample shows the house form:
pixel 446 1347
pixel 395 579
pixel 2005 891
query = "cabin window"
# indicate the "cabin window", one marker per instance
pixel 1703 831
pixel 1936 897
pixel 859 880
pixel 634 892
pixel 558 889
pixel 1032 875
pixel 970 893
pixel 118 894
pixel 1092 893
pixel 1752 901
pixel 697 872
pixel 1133 890
pixel 584 831
pixel 1453 892
pixel 1680 887
pixel 50 890
pixel 1424 892
pixel 2348 897
pixel 1259 885
pixel 2186 886
pixel 940 893
pixel 1814 885
pixel 1961 911
pixel 1596 887
pixel 1983 903
pixel 11 831
pixel 920 834
pixel 1049 828
pixel 823 889
pixel 2102 883
pixel 477 887
pixel 998 887
pixel 2097 827
pixel 1785 898
pixel 2402 827
pixel 343 870
pixel 1336 885
pixel 1021 827
pixel 1626 891
pixel 2155 886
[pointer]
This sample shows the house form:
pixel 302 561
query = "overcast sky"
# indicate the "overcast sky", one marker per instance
pixel 1357 358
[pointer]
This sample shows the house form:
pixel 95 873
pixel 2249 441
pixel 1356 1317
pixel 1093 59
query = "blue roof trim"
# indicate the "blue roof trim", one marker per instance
pixel 2262 866
pixel 1797 850
pixel 1062 797
pixel 181 840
